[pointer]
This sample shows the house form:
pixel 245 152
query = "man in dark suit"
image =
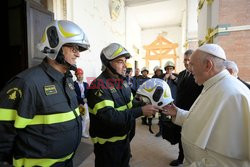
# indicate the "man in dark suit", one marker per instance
pixel 80 86
pixel 81 89
pixel 187 92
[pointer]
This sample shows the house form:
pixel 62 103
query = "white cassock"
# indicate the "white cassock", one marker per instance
pixel 216 129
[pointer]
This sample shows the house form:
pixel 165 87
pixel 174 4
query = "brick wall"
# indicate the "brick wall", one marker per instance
pixel 236 44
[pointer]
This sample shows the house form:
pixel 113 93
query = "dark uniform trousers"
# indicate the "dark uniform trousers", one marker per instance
pixel 105 152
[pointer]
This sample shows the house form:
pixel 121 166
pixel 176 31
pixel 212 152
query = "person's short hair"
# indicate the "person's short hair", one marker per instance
pixel 231 65
pixel 188 52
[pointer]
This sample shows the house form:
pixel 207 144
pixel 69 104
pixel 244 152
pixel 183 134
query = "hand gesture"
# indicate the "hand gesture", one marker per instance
pixel 172 77
pixel 170 109
pixel 166 76
pixel 82 109
pixel 149 110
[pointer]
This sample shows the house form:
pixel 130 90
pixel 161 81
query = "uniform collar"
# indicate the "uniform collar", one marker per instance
pixel 53 73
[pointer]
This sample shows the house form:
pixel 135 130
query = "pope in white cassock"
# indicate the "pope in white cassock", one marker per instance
pixel 216 129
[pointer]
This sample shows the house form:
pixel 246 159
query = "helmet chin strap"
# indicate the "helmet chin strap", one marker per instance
pixel 115 72
pixel 60 59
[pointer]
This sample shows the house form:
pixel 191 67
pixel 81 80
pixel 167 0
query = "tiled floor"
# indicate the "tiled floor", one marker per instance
pixel 147 150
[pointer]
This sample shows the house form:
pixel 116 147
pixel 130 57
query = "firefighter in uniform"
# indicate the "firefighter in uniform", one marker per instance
pixel 40 124
pixel 112 113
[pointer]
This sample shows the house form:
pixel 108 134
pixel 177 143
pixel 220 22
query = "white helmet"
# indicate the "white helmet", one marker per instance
pixel 157 68
pixel 113 51
pixel 156 92
pixel 169 64
pixel 61 32
pixel 144 69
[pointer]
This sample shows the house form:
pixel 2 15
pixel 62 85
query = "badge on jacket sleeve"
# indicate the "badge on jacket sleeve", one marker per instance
pixel 99 93
pixel 71 86
pixel 50 89
pixel 14 93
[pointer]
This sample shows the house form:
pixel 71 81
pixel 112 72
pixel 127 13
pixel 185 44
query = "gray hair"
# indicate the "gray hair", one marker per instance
pixel 231 65
pixel 188 52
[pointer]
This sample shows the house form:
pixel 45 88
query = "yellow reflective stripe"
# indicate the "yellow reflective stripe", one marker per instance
pixel 30 162
pixel 43 37
pixel 112 139
pixel 109 103
pixel 121 108
pixel 118 51
pixel 7 114
pixel 100 105
pixel 65 33
pixel 20 122
pixel 128 106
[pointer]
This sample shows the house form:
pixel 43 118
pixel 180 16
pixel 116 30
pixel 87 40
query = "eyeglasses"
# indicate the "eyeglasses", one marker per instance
pixel 75 48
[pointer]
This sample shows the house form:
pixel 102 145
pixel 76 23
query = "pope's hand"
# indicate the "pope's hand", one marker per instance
pixel 170 109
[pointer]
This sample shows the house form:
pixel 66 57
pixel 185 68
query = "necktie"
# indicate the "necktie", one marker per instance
pixel 187 74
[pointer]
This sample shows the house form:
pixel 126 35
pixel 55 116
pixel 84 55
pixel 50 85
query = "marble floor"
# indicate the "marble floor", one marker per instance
pixel 147 150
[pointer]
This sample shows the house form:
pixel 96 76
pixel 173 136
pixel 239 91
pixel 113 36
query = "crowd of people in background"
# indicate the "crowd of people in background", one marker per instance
pixel 44 113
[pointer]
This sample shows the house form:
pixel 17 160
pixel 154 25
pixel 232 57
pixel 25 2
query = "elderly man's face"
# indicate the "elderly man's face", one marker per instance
pixel 198 67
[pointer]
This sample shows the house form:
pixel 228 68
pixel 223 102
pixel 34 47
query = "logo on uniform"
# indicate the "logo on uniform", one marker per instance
pixel 113 90
pixel 14 93
pixel 71 86
pixel 50 89
pixel 99 93
pixel 125 84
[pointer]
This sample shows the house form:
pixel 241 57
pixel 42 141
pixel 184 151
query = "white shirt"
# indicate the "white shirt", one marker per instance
pixel 81 86
pixel 216 129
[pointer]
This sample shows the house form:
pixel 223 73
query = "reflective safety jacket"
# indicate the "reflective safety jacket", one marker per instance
pixel 40 124
pixel 110 108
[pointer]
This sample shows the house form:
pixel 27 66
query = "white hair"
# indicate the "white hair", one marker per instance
pixel 231 65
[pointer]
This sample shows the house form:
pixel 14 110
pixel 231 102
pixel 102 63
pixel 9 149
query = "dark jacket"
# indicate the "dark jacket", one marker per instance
pixel 141 79
pixel 172 83
pixel 78 92
pixel 160 77
pixel 110 103
pixel 247 85
pixel 187 90
pixel 111 119
pixel 135 84
pixel 186 93
pixel 39 116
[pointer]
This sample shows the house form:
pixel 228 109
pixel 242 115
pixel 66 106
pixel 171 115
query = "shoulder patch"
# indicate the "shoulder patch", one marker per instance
pixel 71 86
pixel 113 90
pixel 14 93
pixel 99 93
pixel 125 84
pixel 50 89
